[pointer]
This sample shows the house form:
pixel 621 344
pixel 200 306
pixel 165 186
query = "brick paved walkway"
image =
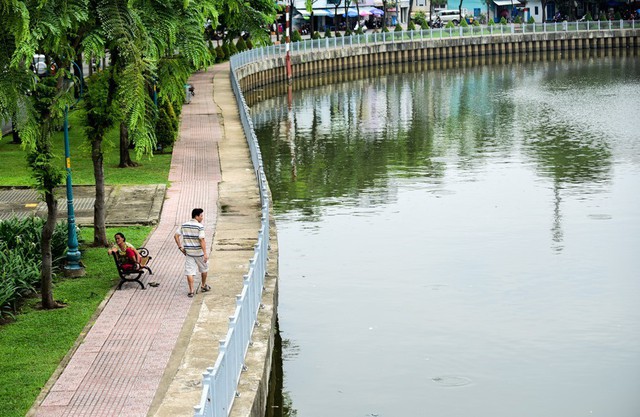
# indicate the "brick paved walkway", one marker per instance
pixel 118 367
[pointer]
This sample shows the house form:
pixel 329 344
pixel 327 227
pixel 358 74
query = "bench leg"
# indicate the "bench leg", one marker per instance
pixel 136 279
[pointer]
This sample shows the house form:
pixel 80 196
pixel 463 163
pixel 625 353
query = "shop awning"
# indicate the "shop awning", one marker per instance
pixel 506 2
pixel 322 12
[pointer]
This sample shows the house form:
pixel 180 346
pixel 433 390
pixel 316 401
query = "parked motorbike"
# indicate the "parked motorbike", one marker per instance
pixel 435 24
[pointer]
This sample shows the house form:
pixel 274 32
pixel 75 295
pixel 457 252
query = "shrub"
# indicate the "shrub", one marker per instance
pixel 531 20
pixel 385 29
pixel 491 22
pixel 411 25
pixel 295 36
pixel 450 25
pixel 359 31
pixel 249 44
pixel 464 23
pixel 617 16
pixel 337 35
pixel 241 44
pixel 603 17
pixel 476 22
pixel 219 54
pixel 518 19
pixel 588 17
pixel 225 49
pixel 20 258
pixel 166 128
pixel 316 35
pixel 421 19
pixel 398 28
pixel 327 33
pixel 232 48
pixel 503 20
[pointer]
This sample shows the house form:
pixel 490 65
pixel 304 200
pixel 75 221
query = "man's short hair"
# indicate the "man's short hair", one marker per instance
pixel 196 212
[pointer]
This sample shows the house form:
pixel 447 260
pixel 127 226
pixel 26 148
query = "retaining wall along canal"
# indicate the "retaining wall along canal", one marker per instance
pixel 318 61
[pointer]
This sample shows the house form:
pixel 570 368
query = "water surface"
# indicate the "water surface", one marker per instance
pixel 460 242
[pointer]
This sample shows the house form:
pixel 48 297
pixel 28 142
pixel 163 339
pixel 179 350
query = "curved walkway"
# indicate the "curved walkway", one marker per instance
pixel 126 362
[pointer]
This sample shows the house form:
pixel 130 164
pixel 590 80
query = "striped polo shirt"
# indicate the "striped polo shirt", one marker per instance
pixel 191 233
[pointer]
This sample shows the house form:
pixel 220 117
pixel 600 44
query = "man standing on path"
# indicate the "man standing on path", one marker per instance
pixel 195 248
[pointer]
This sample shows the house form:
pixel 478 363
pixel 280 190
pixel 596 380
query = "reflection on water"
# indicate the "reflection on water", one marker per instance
pixel 459 241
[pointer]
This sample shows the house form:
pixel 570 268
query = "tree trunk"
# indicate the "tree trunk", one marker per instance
pixel 125 158
pixel 312 26
pixel 16 137
pixel 99 208
pixel 47 234
pixel 384 19
pixel 78 74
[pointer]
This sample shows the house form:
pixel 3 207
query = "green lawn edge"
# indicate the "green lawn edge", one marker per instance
pixel 32 347
pixel 14 170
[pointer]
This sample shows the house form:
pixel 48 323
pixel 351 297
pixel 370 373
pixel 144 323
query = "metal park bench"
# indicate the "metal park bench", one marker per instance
pixel 134 274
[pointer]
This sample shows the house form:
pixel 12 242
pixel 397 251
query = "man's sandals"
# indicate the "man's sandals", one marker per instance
pixel 204 289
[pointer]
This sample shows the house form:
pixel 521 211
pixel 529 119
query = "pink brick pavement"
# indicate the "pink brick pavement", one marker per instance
pixel 118 367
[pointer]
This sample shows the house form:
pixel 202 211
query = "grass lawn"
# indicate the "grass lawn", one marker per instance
pixel 15 172
pixel 32 347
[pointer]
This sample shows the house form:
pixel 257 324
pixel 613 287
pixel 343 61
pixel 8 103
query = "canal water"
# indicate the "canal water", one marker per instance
pixel 459 241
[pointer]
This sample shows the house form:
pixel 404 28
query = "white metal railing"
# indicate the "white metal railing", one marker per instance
pixel 220 382
pixel 310 45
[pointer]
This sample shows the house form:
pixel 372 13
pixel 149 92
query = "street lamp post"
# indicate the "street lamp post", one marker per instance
pixel 73 267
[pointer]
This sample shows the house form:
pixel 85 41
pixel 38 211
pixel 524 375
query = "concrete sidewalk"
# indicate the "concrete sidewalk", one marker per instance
pixel 147 349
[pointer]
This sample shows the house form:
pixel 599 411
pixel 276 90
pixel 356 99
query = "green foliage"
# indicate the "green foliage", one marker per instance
pixel 449 24
pixel 249 44
pixel 316 35
pixel 421 19
pixel 167 126
pixel 603 17
pixel 337 35
pixel 398 28
pixel 518 19
pixel 327 33
pixel 241 45
pixel 227 52
pixel 503 20
pixel 491 22
pixel 220 54
pixel 46 171
pixel 617 16
pixel 359 31
pixel 20 258
pixel 476 22
pixel 295 36
pixel 232 48
pixel 100 112
pixel 531 20
pixel 411 25
pixel 464 23
pixel 588 17
pixel 385 29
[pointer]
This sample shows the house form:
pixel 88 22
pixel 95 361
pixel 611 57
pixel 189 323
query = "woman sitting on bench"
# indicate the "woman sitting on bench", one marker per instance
pixel 128 255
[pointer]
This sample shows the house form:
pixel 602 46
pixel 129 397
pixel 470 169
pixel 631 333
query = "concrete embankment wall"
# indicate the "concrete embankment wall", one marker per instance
pixel 269 71
pixel 441 53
